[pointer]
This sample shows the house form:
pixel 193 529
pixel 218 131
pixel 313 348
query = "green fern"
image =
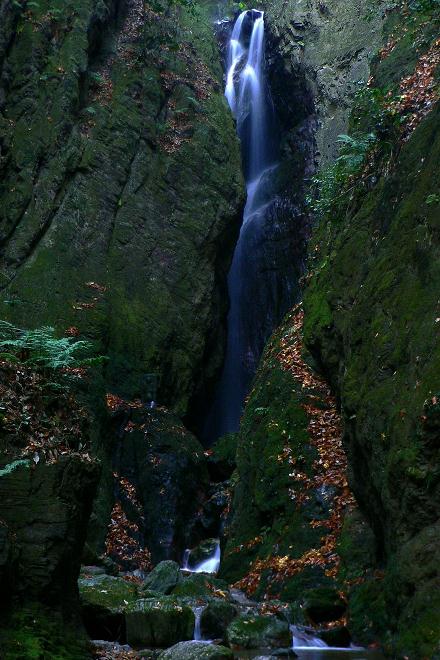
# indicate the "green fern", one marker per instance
pixel 42 348
pixel 330 185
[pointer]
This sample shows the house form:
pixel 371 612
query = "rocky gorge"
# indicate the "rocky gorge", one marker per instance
pixel 128 529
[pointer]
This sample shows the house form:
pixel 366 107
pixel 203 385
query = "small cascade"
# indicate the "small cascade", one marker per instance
pixel 209 565
pixel 304 640
pixel 198 610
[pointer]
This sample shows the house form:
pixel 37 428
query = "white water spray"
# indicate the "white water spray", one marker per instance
pixel 209 565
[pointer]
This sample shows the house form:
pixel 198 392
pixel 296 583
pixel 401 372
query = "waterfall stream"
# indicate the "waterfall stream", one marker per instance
pixel 249 99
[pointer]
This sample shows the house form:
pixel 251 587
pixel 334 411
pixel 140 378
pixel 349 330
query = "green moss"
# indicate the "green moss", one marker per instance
pixel 36 632
pixel 106 591
pixel 256 632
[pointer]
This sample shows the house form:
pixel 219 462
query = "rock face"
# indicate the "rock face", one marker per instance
pixel 160 477
pixel 370 327
pixel 318 53
pixel 45 509
pixel 121 188
pixel 384 305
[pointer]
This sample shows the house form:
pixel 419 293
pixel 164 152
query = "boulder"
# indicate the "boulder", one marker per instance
pixel 103 602
pixel 196 650
pixel 216 618
pixel 163 578
pixel 158 622
pixel 197 585
pixel 339 636
pixel 255 632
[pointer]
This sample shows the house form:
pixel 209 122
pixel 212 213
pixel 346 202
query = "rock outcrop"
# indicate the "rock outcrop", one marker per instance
pixel 121 186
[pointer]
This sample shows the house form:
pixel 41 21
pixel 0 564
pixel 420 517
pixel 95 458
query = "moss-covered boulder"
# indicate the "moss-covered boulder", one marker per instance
pixel 196 650
pixel 104 599
pixel 195 585
pixel 216 617
pixel 258 632
pixel 158 622
pixel 163 578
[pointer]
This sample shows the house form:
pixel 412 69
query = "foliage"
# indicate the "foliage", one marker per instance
pixel 40 347
pixel 331 184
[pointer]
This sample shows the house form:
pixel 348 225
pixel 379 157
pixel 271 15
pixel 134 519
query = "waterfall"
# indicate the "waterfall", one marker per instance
pixel 209 565
pixel 304 640
pixel 198 610
pixel 251 317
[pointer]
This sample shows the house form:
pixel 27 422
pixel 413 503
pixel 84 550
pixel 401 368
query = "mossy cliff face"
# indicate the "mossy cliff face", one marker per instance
pixel 372 323
pixel 121 186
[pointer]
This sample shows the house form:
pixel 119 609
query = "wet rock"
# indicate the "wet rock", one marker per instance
pixel 104 599
pixel 323 604
pixel 196 650
pixel 163 578
pixel 158 622
pixel 258 632
pixel 89 571
pixel 216 618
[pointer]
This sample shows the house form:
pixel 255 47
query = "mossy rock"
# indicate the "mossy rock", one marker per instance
pixel 104 599
pixel 163 578
pixel 258 632
pixel 323 604
pixel 196 650
pixel 158 622
pixel 216 617
pixel 198 585
pixel 107 591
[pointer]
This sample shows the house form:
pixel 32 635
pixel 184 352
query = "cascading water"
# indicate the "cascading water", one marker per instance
pixel 209 565
pixel 198 611
pixel 248 320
